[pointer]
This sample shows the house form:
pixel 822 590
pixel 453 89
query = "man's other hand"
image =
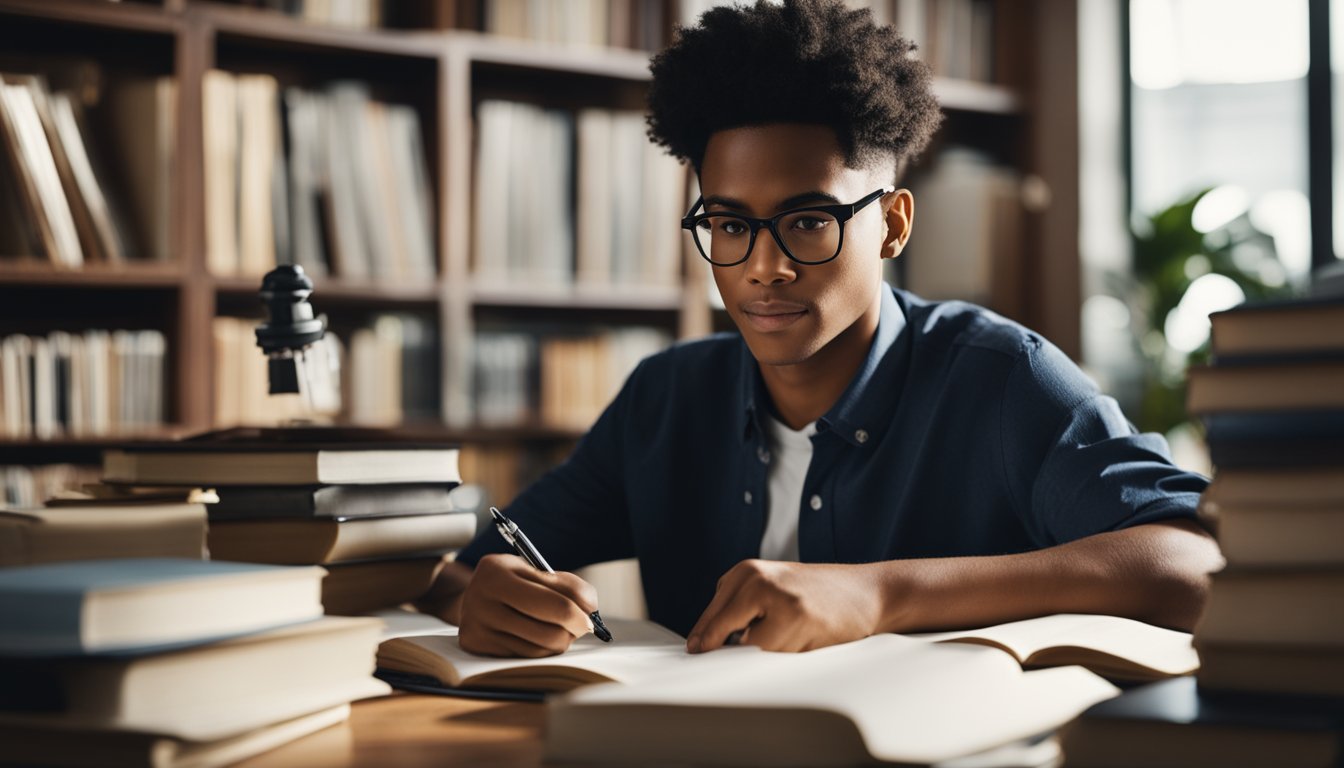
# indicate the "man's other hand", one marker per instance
pixel 782 606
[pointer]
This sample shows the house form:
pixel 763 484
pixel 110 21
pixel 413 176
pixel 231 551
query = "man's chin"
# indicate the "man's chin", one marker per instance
pixel 777 351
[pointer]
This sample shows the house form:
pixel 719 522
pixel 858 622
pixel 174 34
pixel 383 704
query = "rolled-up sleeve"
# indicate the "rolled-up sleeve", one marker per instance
pixel 1076 465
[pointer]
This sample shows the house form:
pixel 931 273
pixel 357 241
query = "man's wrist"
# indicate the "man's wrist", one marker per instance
pixel 902 593
pixel 444 598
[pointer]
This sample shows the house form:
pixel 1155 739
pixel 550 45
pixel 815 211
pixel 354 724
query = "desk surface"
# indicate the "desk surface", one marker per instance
pixel 405 730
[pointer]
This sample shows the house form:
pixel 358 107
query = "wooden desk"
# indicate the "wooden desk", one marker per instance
pixel 405 730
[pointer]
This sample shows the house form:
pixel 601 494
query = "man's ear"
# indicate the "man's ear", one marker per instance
pixel 900 219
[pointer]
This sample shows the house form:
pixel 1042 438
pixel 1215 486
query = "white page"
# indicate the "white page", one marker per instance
pixel 1164 650
pixel 640 648
pixel 913 702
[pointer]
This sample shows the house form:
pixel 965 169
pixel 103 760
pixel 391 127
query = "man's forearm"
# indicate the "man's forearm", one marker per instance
pixel 1156 573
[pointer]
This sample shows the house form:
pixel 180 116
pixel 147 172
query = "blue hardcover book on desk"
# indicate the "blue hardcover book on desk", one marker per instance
pixel 141 605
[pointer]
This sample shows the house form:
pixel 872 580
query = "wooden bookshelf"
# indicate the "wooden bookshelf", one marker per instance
pixel 652 299
pixel 30 273
pixel 443 74
pixel 339 292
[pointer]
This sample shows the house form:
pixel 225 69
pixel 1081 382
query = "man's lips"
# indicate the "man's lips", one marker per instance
pixel 772 315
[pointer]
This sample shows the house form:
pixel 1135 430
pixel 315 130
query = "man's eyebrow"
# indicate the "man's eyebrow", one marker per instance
pixel 784 205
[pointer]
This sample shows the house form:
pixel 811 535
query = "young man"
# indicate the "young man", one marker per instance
pixel 858 460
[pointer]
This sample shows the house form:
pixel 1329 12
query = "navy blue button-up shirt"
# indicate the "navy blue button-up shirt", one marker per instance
pixel 962 434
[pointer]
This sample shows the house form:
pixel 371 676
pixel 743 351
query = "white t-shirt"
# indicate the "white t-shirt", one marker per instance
pixel 790 455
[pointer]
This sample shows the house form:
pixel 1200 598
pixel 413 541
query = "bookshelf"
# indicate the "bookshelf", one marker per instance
pixel 436 60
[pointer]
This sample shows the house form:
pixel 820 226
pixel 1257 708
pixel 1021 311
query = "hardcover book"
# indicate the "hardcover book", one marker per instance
pixel 143 605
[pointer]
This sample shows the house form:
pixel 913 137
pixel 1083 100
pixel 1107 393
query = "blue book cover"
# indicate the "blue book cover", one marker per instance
pixel 44 606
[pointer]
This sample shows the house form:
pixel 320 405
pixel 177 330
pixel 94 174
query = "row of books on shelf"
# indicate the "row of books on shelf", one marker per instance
pixel 966 244
pixel 1271 640
pixel 637 24
pixel 85 165
pixel 31 485
pixel 386 374
pixel 331 179
pixel 954 37
pixel 561 381
pixel 360 14
pixel 562 197
pixel 81 384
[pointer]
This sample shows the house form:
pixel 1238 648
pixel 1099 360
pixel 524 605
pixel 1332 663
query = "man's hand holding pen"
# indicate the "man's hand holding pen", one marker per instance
pixel 512 609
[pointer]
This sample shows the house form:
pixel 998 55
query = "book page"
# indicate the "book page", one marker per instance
pixel 399 622
pixel 639 648
pixel 911 701
pixel 1162 650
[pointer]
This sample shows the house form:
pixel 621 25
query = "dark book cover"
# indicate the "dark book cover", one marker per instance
pixel 330 501
pixel 1174 724
pixel 1268 453
pixel 1276 426
pixel 1179 701
pixel 314 438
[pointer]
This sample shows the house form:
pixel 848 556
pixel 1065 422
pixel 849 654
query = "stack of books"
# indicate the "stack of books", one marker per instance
pixel 1271 641
pixel 96 530
pixel 375 514
pixel 1274 406
pixel 171 662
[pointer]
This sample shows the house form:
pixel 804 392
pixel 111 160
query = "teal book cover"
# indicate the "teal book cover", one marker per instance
pixel 46 608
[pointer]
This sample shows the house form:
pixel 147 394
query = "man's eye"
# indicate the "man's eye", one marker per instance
pixel 732 227
pixel 811 223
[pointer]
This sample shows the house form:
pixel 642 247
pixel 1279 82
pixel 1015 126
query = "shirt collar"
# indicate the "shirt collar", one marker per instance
pixel 853 416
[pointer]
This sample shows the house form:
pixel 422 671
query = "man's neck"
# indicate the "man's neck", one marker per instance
pixel 805 391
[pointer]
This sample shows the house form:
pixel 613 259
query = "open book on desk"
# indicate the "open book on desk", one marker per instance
pixel 884 699
pixel 1116 648
pixel 887 698
pixel 641 648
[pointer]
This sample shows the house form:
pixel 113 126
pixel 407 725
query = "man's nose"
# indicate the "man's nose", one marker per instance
pixel 767 264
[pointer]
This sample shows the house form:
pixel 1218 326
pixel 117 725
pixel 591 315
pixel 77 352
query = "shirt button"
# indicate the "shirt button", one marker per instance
pixel 746 497
pixel 763 455
pixel 861 435
pixel 815 502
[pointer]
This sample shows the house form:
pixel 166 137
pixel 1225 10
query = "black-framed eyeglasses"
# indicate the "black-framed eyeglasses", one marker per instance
pixel 810 236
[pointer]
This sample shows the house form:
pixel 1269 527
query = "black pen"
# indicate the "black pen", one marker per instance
pixel 525 549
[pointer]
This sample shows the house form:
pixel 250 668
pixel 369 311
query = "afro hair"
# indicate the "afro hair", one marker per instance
pixel 805 61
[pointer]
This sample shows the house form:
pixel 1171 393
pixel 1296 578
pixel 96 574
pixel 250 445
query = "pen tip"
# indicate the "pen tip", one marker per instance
pixel 599 628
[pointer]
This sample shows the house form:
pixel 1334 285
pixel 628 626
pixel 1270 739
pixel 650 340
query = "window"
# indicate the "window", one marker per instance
pixel 1219 100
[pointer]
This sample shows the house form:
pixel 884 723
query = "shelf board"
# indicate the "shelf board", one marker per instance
pixel 973 96
pixel 486 434
pixel 622 298
pixel 31 272
pixel 79 450
pixel 465 435
pixel 342 291
pixel 613 63
pixel 95 13
pixel 287 31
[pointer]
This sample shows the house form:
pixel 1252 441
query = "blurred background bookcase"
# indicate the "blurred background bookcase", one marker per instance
pixel 1006 78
